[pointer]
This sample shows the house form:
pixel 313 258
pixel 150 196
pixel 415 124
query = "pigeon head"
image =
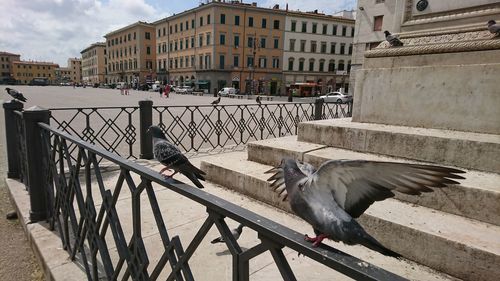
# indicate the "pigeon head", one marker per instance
pixel 156 132
pixel 491 22
pixel 387 33
pixel 7 89
pixel 240 228
pixel 293 174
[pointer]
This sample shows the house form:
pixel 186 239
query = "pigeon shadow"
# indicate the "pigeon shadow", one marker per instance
pixel 227 252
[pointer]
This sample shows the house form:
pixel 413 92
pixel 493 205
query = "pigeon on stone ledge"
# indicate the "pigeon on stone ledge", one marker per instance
pixel 331 197
pixel 235 232
pixel 392 39
pixel 170 156
pixel 16 94
pixel 494 27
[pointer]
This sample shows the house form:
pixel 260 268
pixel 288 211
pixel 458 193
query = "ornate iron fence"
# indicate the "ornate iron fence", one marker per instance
pixel 200 128
pixel 84 225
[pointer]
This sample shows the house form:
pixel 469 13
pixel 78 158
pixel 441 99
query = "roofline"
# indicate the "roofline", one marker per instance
pixel 8 54
pixel 93 45
pixel 139 23
pixel 35 62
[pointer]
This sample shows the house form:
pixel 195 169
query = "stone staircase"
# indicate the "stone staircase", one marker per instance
pixel 455 230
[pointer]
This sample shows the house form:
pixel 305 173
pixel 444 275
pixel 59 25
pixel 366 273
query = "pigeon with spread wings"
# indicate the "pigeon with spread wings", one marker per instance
pixel 331 197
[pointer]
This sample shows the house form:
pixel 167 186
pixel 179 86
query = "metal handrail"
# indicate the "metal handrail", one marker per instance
pixel 274 236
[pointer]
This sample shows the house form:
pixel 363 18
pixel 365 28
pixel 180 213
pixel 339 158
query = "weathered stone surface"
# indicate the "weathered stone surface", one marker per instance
pixel 445 147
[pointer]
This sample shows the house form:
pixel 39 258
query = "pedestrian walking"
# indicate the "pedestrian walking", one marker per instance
pixel 126 89
pixel 160 90
pixel 167 90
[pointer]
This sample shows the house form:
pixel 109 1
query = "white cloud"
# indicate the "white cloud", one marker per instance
pixel 55 30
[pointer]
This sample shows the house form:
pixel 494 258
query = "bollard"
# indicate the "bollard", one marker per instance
pixel 12 138
pixel 145 120
pixel 318 108
pixel 215 92
pixel 36 183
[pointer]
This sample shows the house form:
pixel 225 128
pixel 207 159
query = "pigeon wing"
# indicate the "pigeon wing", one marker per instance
pixel 495 28
pixel 356 184
pixel 168 154
pixel 277 180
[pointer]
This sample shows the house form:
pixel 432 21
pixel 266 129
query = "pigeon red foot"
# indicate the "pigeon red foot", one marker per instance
pixel 316 240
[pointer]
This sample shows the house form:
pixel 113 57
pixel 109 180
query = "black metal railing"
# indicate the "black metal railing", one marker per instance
pixel 88 230
pixel 197 128
pixel 81 203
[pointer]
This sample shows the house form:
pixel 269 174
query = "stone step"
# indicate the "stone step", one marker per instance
pixel 477 197
pixel 458 246
pixel 462 149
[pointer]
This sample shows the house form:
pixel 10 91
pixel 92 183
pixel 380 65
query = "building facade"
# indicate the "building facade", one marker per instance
pixel 6 69
pixel 94 63
pixel 70 74
pixel 131 54
pixel 28 72
pixel 219 44
pixel 317 55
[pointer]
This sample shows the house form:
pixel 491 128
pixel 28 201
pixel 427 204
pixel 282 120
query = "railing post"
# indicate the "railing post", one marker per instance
pixel 146 120
pixel 318 108
pixel 36 178
pixel 12 138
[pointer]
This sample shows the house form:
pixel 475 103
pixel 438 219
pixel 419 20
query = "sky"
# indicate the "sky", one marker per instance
pixel 55 30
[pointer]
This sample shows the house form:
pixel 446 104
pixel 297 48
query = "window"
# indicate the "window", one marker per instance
pixel 322 65
pixel 159 32
pixel 208 19
pixel 200 41
pixel 192 42
pixel 323 47
pixel 250 21
pixel 148 36
pixel 334 30
pixel 302 45
pixel 264 23
pixel 201 21
pixel 175 46
pixel 350 49
pixel 181 26
pixel 276 43
pixel 263 42
pixel 236 20
pixel 250 42
pixel 208 39
pixel 348 66
pixel 344 30
pixel 311 65
pixel 292 45
pixel 325 27
pixel 332 48
pixel 187 25
pixel 276 24
pixel 263 62
pixel 223 19
pixel 236 61
pixel 175 28
pixel 313 46
pixel 192 24
pixel 342 48
pixel 181 44
pixel 301 65
pixel 187 43
pixel 304 26
pixel 377 23
pixel 352 31
pixel 236 40
pixel 222 40
pixel 315 28
pixel 249 61
pixel 221 61
pixel 341 65
pixel 294 26
pixel 331 66
pixel 201 61
pixel 379 1
pixel 171 30
pixel 148 50
pixel 276 63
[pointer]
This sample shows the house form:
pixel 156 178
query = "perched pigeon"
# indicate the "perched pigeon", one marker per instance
pixel 278 179
pixel 170 156
pixel 216 102
pixel 341 190
pixel 235 232
pixel 392 39
pixel 16 94
pixel 493 27
pixel 258 100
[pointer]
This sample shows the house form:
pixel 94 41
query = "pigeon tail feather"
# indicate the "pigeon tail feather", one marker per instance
pixel 194 178
pixel 373 244
pixel 217 240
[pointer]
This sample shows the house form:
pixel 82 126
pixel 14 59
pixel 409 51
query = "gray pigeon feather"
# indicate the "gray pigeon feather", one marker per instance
pixel 170 156
pixel 341 190
pixel 16 94
pixel 494 27
pixel 392 39
pixel 235 232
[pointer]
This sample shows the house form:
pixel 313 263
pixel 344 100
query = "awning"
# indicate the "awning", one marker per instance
pixel 201 82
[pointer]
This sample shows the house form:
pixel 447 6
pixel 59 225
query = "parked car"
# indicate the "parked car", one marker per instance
pixel 224 92
pixel 336 97
pixel 183 90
